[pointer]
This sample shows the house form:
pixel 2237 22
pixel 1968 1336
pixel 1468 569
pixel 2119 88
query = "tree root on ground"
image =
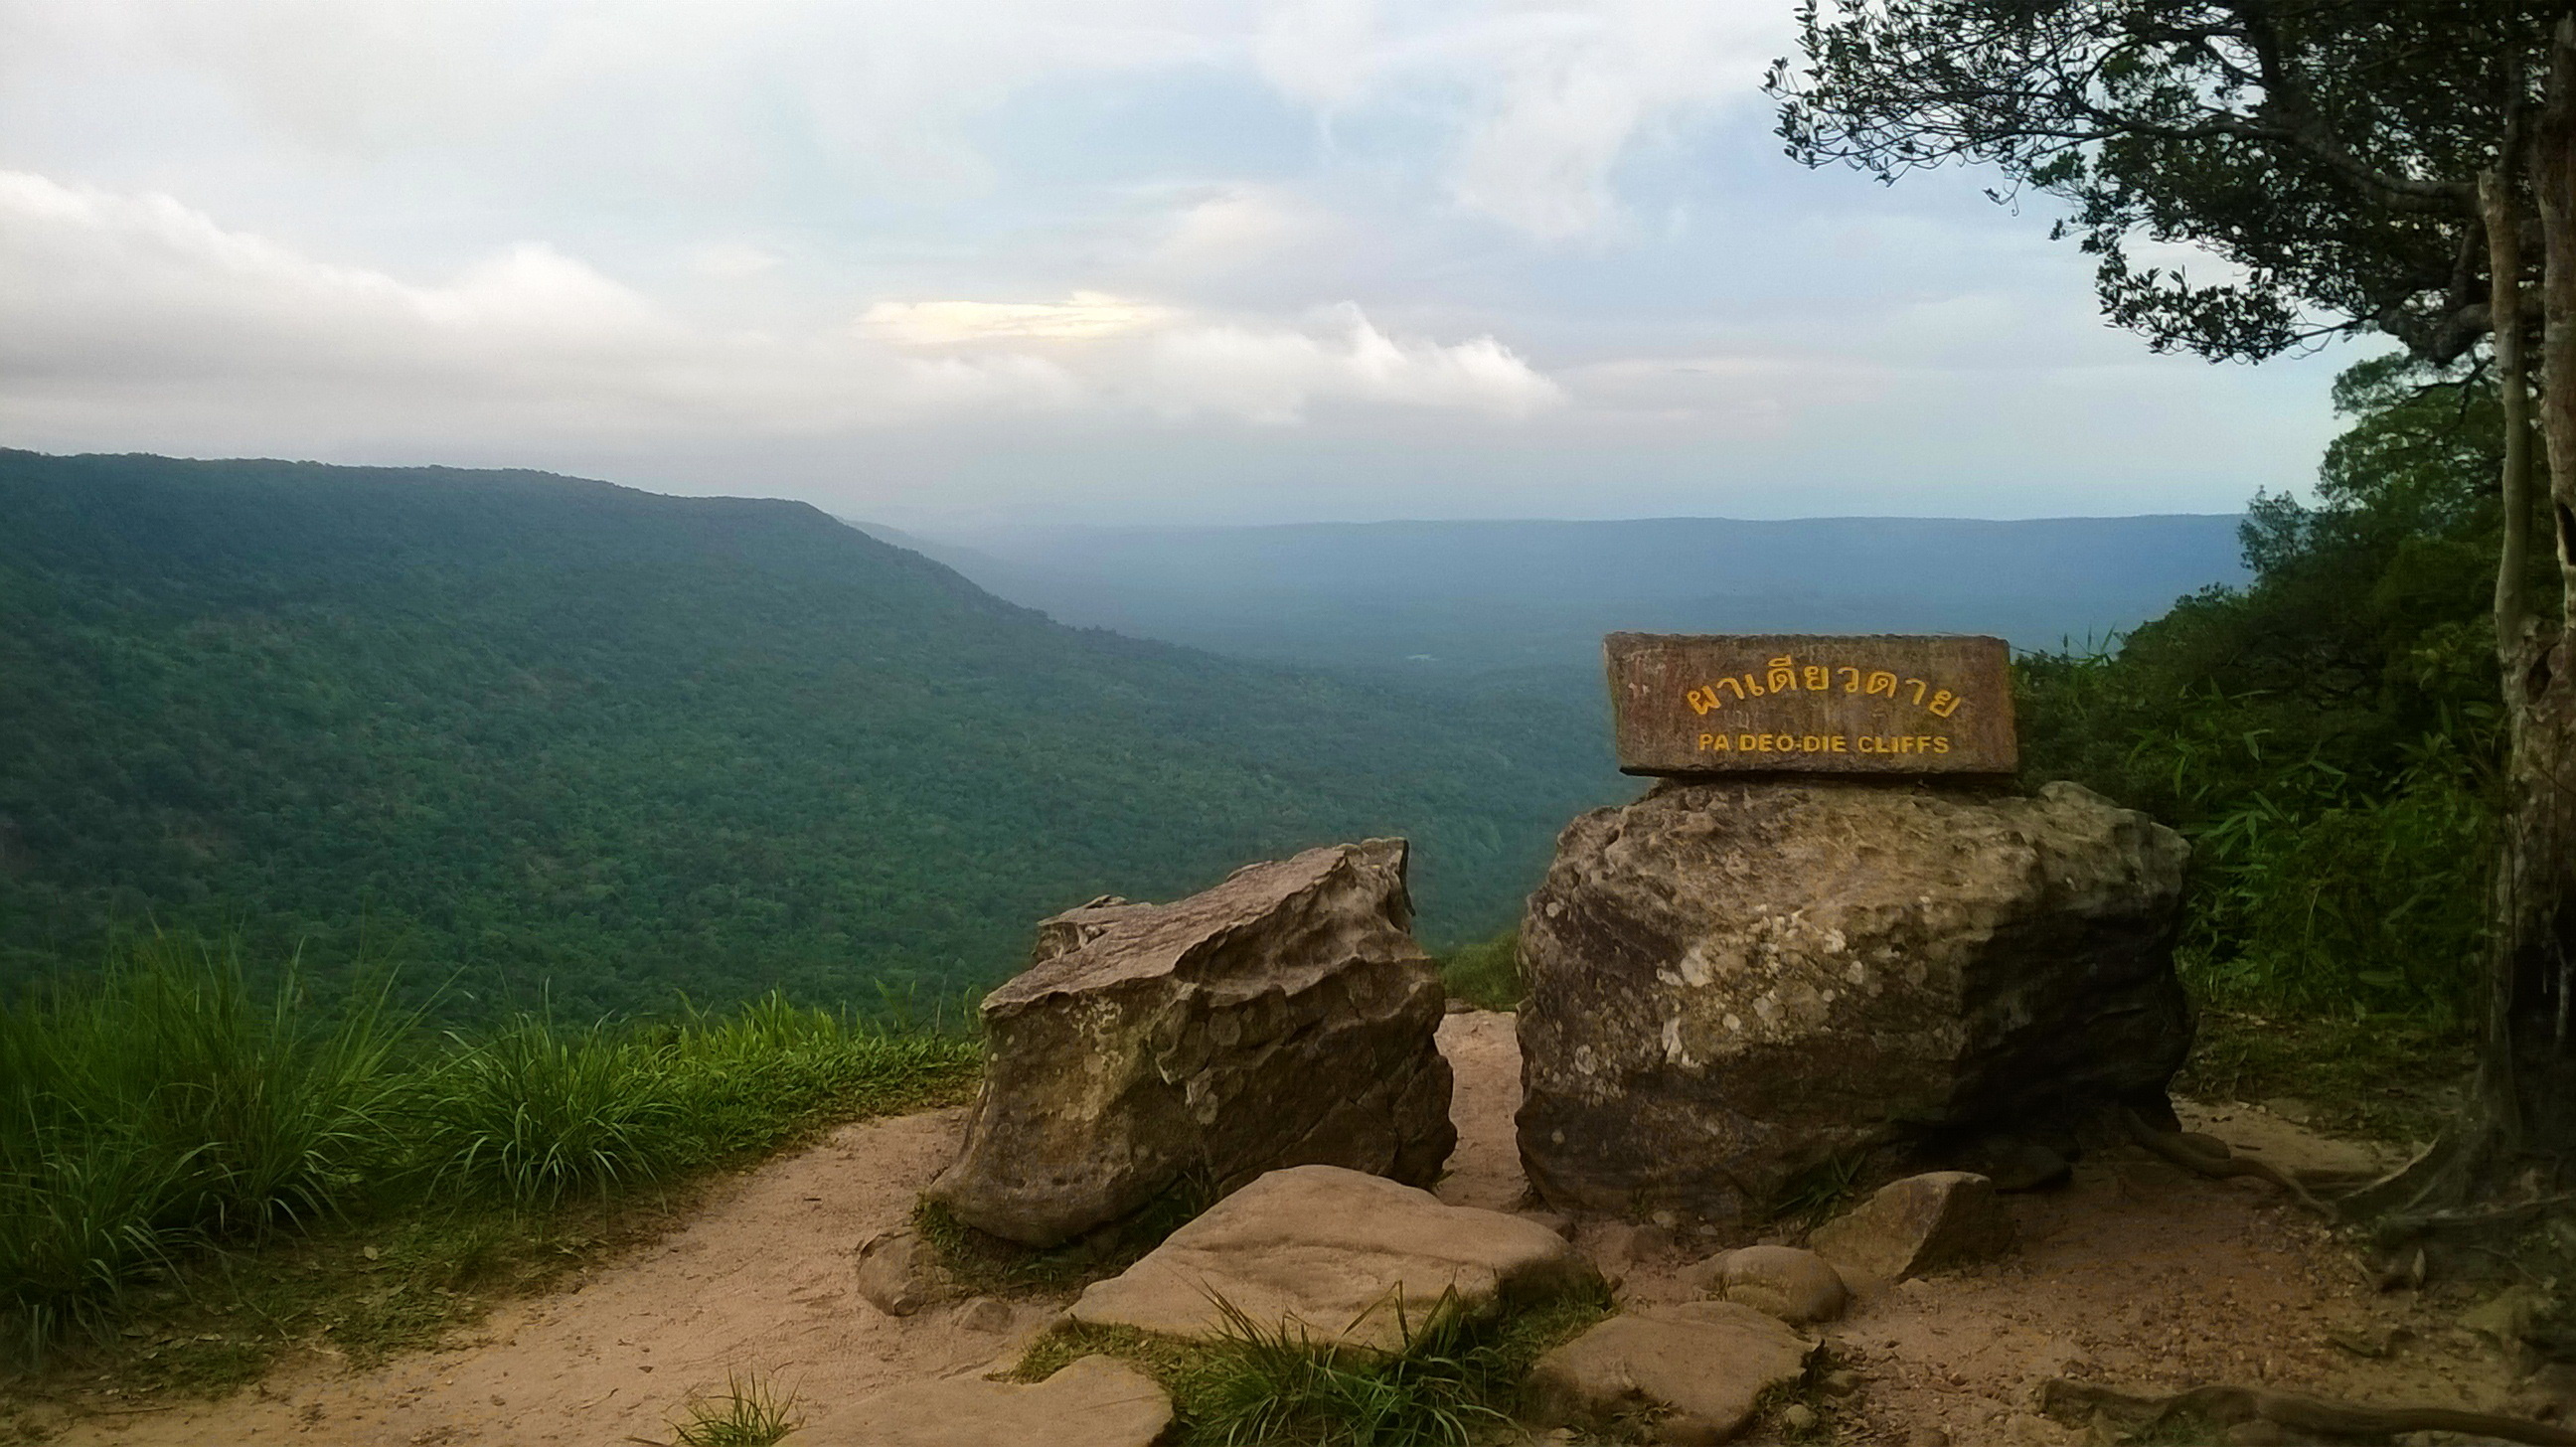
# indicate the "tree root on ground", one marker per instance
pixel 2229 1406
pixel 2186 1152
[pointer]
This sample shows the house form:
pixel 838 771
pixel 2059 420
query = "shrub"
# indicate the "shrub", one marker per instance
pixel 158 1107
pixel 1487 974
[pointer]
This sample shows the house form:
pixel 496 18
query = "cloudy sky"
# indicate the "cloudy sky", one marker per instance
pixel 960 261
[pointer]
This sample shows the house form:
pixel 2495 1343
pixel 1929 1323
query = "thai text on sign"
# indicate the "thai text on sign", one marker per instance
pixel 1870 704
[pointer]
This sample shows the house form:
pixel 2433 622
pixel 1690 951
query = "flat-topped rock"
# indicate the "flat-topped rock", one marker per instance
pixel 1702 1366
pixel 1093 1402
pixel 1285 1017
pixel 1334 1251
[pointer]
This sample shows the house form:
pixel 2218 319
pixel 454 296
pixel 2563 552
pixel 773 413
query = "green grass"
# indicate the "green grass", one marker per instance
pixel 1453 1382
pixel 177 1147
pixel 749 1412
pixel 1487 974
pixel 2392 1078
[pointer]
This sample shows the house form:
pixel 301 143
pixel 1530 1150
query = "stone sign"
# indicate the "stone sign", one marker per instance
pixel 1771 703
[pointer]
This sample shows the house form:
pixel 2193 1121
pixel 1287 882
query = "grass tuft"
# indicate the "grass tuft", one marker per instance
pixel 749 1412
pixel 1454 1379
pixel 1263 1384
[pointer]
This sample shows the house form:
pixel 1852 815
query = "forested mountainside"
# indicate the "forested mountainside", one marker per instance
pixel 525 734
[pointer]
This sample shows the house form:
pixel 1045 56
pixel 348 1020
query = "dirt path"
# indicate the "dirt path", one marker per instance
pixel 2136 1273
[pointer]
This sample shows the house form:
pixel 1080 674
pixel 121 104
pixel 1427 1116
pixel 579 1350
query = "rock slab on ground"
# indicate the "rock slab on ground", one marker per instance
pixel 1334 1252
pixel 1919 1224
pixel 1699 1366
pixel 1782 1281
pixel 1093 1402
pixel 1285 1017
pixel 1736 986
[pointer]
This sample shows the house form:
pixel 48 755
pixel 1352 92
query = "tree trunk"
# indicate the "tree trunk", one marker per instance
pixel 2526 1087
pixel 2519 1134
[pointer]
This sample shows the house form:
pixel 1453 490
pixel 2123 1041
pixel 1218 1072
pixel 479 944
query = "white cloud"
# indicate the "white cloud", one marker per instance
pixel 118 303
pixel 1240 226
pixel 1085 316
pixel 1555 94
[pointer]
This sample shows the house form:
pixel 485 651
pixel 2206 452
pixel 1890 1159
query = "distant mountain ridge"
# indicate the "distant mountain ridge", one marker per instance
pixel 1477 596
pixel 559 736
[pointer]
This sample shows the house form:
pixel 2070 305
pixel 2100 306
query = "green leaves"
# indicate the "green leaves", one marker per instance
pixel 2328 736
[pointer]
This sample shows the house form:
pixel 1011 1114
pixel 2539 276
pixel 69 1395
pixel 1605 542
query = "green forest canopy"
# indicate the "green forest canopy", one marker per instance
pixel 527 733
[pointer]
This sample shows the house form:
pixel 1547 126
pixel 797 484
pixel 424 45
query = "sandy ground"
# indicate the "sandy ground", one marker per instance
pixel 2136 1273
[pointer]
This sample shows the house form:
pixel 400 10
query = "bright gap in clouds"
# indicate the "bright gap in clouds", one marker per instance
pixel 1129 258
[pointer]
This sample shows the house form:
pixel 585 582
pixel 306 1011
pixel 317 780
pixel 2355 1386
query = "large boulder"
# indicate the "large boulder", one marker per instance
pixel 1336 1256
pixel 1285 1017
pixel 1735 988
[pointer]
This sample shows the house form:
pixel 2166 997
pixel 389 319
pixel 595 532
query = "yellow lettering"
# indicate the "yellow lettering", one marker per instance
pixel 1752 686
pixel 1702 700
pixel 1819 678
pixel 1851 679
pixel 1919 686
pixel 1744 743
pixel 1882 681
pixel 1783 675
pixel 1728 683
pixel 1940 746
pixel 1839 741
pixel 1945 703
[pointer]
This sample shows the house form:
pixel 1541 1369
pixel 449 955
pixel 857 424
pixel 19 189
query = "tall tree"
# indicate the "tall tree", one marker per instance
pixel 2403 167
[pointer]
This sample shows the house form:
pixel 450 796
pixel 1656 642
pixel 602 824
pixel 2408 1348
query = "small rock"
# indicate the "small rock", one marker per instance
pixel 1338 1251
pixel 1927 1437
pixel 1798 1417
pixel 1796 1286
pixel 1625 1245
pixel 898 1272
pixel 1094 1402
pixel 2505 1319
pixel 985 1314
pixel 1921 1223
pixel 1840 1382
pixel 1702 1364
